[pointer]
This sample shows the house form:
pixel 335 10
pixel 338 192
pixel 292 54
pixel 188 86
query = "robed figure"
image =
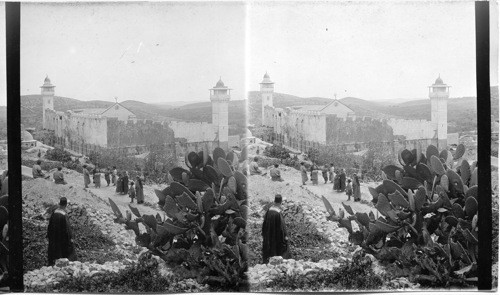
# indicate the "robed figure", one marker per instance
pixel 139 190
pixel 275 241
pixel 125 183
pixel 303 173
pixel 356 188
pixel 59 235
pixel 86 176
pixel 342 180
pixel 119 184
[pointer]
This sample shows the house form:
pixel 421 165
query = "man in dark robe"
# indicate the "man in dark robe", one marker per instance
pixel 274 232
pixel 59 235
pixel 342 180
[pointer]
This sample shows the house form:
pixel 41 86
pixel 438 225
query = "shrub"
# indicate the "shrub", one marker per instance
pixel 356 274
pixel 143 276
pixel 266 161
pixel 276 151
pixel 58 154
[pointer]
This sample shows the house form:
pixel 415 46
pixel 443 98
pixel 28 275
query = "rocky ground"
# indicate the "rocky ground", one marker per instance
pixel 338 249
pixel 39 194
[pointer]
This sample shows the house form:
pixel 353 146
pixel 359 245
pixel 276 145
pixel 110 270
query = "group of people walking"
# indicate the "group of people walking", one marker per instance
pixel 119 179
pixel 335 176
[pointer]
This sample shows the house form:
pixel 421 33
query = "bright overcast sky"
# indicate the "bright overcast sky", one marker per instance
pixel 161 52
pixel 151 52
pixel 366 50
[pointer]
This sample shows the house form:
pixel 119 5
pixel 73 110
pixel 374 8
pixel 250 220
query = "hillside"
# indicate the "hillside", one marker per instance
pixel 462 112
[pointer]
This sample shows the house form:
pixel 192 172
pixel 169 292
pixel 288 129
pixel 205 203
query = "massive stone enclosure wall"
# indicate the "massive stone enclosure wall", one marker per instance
pixel 78 128
pixel 142 132
pixel 193 131
pixel 353 130
pixel 299 125
pixel 412 129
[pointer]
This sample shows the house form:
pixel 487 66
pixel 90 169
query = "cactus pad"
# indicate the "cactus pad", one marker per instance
pixel 437 165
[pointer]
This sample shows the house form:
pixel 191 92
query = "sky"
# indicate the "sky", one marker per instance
pixel 366 50
pixel 151 52
pixel 164 52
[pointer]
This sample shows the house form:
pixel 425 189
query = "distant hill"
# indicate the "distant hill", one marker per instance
pixel 31 111
pixel 462 112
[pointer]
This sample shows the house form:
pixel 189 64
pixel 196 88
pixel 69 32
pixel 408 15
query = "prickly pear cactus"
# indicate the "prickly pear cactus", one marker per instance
pixel 4 243
pixel 428 222
pixel 204 219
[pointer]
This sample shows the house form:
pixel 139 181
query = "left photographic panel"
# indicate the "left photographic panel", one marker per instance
pixel 132 136
pixel 4 207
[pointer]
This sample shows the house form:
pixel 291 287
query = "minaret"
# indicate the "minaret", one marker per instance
pixel 266 93
pixel 220 96
pixel 439 94
pixel 47 97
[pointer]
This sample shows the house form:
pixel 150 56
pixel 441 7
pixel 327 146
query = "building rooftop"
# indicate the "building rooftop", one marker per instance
pixel 266 79
pixel 94 111
pixel 220 84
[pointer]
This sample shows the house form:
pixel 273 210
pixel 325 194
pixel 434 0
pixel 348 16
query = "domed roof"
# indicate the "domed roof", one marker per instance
pixel 266 79
pixel 439 80
pixel 47 80
pixel 26 136
pixel 220 84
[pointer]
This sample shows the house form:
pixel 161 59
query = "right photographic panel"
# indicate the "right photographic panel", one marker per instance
pixel 362 146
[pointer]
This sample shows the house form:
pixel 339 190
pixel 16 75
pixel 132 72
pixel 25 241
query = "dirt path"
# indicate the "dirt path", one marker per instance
pixel 75 183
pixel 292 189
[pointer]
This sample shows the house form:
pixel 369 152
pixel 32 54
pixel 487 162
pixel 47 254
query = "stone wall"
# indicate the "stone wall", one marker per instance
pixel 412 129
pixel 141 132
pixel 298 125
pixel 193 131
pixel 360 129
pixel 78 128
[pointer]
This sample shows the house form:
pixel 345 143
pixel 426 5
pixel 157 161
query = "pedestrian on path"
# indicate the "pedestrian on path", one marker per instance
pixel 342 180
pixel 324 172
pixel 139 190
pixel 97 178
pixel 131 192
pixel 348 190
pixel 86 176
pixel 106 175
pixel 336 181
pixel 331 172
pixel 125 182
pixel 114 175
pixel 303 172
pixel 119 181
pixel 314 174
pixel 356 188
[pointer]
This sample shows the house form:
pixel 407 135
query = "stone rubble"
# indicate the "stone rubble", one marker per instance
pixel 63 268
